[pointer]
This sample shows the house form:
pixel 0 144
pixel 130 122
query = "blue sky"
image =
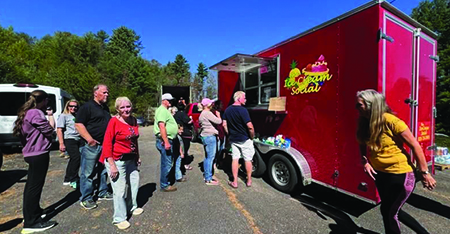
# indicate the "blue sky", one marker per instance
pixel 205 31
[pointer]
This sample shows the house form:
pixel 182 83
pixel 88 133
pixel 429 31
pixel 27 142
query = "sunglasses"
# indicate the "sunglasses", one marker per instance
pixel 73 106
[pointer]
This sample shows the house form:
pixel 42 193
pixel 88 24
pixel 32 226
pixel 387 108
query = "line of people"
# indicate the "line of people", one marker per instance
pixel 102 146
pixel 235 123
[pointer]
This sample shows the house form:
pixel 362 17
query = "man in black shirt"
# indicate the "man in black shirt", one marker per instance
pixel 238 125
pixel 91 122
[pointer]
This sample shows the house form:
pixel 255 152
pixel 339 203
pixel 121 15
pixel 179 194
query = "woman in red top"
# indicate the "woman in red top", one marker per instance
pixel 120 155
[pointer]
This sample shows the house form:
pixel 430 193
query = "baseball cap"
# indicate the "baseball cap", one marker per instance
pixel 207 102
pixel 167 96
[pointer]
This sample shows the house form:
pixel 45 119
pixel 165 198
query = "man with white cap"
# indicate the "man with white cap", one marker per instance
pixel 165 129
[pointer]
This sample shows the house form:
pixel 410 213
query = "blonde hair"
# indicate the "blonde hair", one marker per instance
pixel 237 95
pixel 66 107
pixel 370 129
pixel 173 110
pixel 119 101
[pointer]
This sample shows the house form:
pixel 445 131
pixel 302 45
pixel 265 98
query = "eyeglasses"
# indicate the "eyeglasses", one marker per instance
pixel 73 106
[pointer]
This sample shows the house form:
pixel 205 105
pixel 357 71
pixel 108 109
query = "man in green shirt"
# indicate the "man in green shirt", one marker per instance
pixel 165 129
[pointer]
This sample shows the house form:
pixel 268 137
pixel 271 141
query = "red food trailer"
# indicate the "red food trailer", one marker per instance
pixel 318 73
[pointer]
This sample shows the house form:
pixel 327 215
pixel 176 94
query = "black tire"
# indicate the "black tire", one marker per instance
pixel 282 173
pixel 259 166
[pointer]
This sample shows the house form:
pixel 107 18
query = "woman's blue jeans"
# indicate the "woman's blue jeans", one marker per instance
pixel 210 144
pixel 125 188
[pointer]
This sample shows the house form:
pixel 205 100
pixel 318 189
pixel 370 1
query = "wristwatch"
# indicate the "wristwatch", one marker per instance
pixel 425 172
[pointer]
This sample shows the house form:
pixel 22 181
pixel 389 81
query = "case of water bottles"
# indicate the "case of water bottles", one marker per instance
pixel 279 141
pixel 442 156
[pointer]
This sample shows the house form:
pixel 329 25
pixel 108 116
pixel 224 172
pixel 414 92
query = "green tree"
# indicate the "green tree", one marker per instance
pixel 178 71
pixel 435 15
pixel 77 63
pixel 211 86
pixel 124 39
pixel 15 55
pixel 199 81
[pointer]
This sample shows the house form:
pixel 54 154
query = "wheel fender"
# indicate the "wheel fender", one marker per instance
pixel 297 157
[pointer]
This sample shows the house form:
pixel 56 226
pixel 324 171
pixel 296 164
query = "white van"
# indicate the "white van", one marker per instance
pixel 13 96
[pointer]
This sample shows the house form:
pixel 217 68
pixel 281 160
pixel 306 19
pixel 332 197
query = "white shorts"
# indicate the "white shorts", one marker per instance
pixel 245 149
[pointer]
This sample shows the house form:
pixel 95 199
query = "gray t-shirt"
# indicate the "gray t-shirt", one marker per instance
pixel 67 122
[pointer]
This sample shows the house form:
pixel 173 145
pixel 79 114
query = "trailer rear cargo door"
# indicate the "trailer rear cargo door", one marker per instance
pixel 424 97
pixel 398 65
pixel 409 69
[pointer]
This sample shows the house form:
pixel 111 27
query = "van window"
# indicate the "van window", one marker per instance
pixel 16 99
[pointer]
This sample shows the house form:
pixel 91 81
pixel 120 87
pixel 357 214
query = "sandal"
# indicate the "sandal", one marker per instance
pixel 249 184
pixel 188 167
pixel 232 185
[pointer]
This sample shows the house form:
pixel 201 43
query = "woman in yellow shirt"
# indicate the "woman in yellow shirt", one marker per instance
pixel 389 164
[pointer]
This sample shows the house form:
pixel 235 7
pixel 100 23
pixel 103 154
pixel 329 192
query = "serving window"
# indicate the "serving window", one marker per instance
pixel 261 83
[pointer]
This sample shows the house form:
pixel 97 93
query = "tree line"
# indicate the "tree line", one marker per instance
pixel 435 15
pixel 77 63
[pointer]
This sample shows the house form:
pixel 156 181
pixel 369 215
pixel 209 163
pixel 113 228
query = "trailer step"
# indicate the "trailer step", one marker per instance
pixel 441 167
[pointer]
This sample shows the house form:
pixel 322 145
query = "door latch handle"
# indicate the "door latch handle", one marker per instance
pixel 411 102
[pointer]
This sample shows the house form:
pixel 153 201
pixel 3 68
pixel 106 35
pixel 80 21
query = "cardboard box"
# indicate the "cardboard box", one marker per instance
pixel 277 104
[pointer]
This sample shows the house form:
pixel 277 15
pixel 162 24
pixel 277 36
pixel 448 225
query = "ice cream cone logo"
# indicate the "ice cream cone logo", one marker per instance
pixel 310 79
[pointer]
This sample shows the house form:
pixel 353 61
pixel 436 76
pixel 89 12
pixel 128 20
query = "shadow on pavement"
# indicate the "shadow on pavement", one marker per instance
pixel 144 193
pixel 9 178
pixel 411 222
pixel 427 204
pixel 336 205
pixel 62 204
pixel 344 224
pixel 10 224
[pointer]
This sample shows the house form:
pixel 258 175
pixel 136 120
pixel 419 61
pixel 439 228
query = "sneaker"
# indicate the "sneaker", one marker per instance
pixel 73 185
pixel 169 189
pixel 65 183
pixel 123 225
pixel 39 227
pixel 212 182
pixel 108 196
pixel 138 211
pixel 88 204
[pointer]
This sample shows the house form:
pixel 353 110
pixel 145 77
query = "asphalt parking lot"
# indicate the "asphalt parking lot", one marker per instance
pixel 197 208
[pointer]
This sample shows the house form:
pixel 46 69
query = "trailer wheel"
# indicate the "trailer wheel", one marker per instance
pixel 259 166
pixel 282 173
